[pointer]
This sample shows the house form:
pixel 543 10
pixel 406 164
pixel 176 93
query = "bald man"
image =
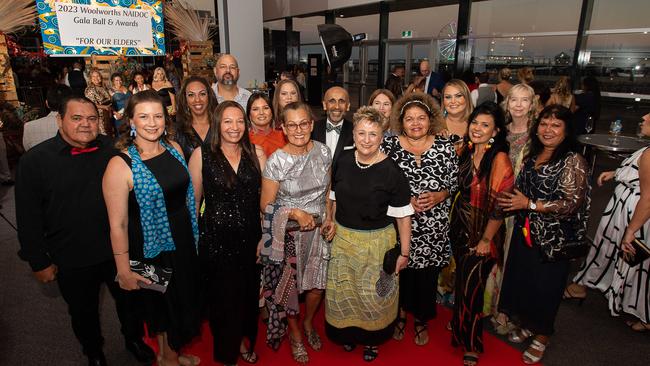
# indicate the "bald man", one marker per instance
pixel 434 82
pixel 335 131
pixel 226 71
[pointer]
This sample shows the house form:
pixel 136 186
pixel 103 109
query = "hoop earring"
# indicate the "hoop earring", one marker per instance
pixel 132 133
pixel 489 144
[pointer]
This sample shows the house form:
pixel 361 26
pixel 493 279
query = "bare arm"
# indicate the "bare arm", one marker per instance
pixel 195 167
pixel 261 157
pixel 483 247
pixel 641 213
pixel 116 186
pixel 270 190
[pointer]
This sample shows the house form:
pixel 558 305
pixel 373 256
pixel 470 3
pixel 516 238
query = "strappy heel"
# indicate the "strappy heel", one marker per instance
pixel 519 335
pixel 313 339
pixel 349 347
pixel 370 353
pixel 531 359
pixel 298 351
pixel 420 339
pixel 400 327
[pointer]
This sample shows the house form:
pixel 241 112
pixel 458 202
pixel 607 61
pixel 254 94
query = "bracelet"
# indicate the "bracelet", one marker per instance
pixel 485 240
pixel 120 253
pixel 403 255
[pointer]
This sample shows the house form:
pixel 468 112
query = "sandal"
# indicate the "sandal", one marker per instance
pixel 519 335
pixel 502 328
pixel 422 334
pixel 531 359
pixel 349 347
pixel 189 360
pixel 638 326
pixel 298 351
pixel 470 359
pixel 575 292
pixel 400 327
pixel 448 326
pixel 248 356
pixel 313 339
pixel 370 353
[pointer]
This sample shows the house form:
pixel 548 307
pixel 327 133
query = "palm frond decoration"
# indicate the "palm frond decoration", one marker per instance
pixel 15 14
pixel 184 21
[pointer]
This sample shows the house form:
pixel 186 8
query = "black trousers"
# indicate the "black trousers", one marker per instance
pixel 80 290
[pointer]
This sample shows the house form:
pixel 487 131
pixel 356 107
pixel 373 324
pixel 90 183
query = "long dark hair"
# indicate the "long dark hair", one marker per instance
pixel 500 143
pixel 125 140
pixel 255 96
pixel 569 144
pixel 245 143
pixel 184 115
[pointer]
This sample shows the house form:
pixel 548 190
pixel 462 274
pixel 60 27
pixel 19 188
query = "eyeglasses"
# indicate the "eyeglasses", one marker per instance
pixel 291 127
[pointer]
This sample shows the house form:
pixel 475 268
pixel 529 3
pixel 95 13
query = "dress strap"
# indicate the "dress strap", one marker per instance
pixel 125 157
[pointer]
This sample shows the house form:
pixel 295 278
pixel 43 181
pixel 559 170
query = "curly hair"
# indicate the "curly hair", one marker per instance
pixel 147 96
pixel 417 100
pixel 367 113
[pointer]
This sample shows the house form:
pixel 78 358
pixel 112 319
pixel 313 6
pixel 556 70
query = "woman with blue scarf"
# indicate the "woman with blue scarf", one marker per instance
pixel 152 213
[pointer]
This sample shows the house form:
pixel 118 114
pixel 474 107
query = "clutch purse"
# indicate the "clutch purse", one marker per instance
pixel 390 259
pixel 159 276
pixel 642 252
pixel 292 225
pixel 573 249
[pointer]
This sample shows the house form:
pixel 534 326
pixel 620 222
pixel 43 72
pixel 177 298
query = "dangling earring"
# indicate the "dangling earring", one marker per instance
pixel 470 145
pixel 132 133
pixel 165 132
pixel 444 113
pixel 489 144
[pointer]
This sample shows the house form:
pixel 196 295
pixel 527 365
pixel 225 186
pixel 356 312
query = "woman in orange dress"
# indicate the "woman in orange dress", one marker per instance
pixel 261 130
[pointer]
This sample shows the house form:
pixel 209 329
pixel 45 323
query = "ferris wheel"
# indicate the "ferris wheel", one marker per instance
pixel 447 41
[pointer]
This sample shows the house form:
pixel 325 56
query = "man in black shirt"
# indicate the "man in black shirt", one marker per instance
pixel 63 225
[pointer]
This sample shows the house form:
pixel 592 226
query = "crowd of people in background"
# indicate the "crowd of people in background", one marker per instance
pixel 209 201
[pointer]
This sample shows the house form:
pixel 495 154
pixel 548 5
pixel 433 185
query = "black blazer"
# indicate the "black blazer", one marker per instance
pixel 345 139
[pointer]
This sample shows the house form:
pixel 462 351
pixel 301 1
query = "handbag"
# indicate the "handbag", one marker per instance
pixel 572 249
pixel 390 259
pixel 641 253
pixel 159 276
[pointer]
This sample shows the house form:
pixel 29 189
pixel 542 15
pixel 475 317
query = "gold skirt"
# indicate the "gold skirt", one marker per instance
pixel 352 298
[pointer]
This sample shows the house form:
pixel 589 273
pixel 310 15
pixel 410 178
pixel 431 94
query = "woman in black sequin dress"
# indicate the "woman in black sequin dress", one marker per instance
pixel 226 171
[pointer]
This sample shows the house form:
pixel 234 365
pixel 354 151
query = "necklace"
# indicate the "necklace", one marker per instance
pixel 356 160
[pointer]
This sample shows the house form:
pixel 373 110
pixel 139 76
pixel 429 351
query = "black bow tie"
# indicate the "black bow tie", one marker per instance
pixel 331 127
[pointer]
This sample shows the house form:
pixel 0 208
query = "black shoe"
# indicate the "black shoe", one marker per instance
pixel 140 350
pixel 98 360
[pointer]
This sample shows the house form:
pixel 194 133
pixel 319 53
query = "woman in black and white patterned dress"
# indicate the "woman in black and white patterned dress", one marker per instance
pixel 626 217
pixel 431 166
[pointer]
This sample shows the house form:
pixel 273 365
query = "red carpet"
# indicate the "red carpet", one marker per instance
pixel 438 352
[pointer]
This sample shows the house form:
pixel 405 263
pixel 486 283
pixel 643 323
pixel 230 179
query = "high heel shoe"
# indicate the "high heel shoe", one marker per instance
pixel 638 326
pixel 298 351
pixel 531 359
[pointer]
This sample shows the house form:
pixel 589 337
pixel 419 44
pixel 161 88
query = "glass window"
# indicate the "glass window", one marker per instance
pixel 500 17
pixel 608 14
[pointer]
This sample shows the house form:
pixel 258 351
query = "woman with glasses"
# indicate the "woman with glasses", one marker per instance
pixel 297 227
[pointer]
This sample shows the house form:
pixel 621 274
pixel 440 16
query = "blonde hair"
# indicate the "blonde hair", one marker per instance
pixel 96 70
pixel 562 87
pixel 533 102
pixel 525 75
pixel 464 90
pixel 422 101
pixel 164 73
pixel 505 74
pixel 367 113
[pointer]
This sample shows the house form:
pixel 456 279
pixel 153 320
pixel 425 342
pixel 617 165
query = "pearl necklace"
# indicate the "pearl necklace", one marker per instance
pixel 356 160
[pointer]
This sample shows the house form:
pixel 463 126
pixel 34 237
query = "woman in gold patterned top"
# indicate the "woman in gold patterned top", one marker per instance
pixel 98 94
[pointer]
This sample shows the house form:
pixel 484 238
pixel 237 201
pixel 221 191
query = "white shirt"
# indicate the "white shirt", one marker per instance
pixel 241 97
pixel 332 137
pixel 39 130
pixel 426 84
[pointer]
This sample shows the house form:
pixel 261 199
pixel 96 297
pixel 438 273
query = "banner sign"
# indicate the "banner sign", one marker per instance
pixel 102 27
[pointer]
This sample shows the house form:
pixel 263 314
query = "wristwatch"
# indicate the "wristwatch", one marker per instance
pixel 531 205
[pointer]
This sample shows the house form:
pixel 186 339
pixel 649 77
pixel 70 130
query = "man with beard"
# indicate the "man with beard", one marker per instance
pixel 335 131
pixel 226 71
